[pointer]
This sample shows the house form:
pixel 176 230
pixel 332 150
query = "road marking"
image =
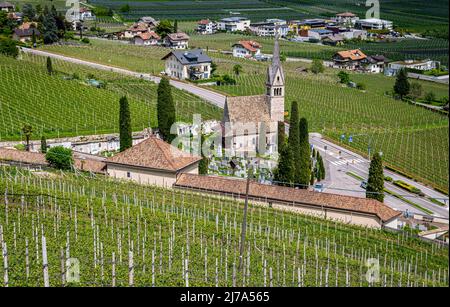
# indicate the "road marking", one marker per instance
pixel 347 161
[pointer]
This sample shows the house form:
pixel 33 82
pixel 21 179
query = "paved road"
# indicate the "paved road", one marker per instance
pixel 206 94
pixel 347 161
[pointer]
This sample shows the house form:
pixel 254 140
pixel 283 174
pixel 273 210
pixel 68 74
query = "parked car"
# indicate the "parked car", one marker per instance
pixel 318 187
pixel 364 184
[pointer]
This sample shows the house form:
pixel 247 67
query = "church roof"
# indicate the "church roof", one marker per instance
pixel 247 109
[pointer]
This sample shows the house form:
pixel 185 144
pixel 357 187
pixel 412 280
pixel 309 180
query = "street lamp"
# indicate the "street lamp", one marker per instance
pixel 244 221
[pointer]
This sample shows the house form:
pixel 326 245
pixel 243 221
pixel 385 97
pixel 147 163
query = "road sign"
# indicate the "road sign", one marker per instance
pixel 343 137
pixel 350 139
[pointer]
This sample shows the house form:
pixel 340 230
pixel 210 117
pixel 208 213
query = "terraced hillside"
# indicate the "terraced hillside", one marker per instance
pixel 124 234
pixel 64 104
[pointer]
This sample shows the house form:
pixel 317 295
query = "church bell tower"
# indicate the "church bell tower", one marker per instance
pixel 275 84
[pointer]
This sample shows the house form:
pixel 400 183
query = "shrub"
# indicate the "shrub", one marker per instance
pixel 387 178
pixel 361 86
pixel 85 40
pixel 408 187
pixel 344 77
pixel 60 157
pixel 8 47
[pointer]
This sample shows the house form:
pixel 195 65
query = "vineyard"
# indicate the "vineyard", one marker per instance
pixel 412 139
pixel 123 234
pixel 64 105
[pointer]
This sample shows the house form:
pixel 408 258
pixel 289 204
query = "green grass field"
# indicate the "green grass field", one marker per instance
pixel 156 235
pixel 58 107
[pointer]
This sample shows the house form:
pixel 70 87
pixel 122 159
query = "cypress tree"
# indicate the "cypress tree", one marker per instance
pixel 43 144
pixel 402 86
pixel 165 109
pixel 281 135
pixel 175 26
pixel 284 174
pixel 293 139
pixel 375 183
pixel 320 168
pixel 49 66
pixel 304 158
pixel 126 139
pixel 49 28
pixel 204 162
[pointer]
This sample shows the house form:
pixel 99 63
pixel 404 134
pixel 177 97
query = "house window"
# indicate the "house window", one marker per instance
pixel 128 175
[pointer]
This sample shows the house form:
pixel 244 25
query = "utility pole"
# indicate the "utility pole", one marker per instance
pixel 244 221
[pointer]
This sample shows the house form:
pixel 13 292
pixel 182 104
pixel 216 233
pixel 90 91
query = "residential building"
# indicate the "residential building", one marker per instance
pixel 246 49
pixel 270 27
pixel 146 39
pixel 136 29
pixel 333 40
pixel 347 19
pixel 86 14
pixel 354 34
pixel 177 40
pixel 232 24
pixel 149 21
pixel 375 64
pixel 193 64
pixel 7 7
pixel 313 23
pixel 374 24
pixel 206 26
pixel 424 65
pixel 345 209
pixel 245 118
pixel 349 59
pixel 317 34
pixel 25 35
pixel 152 162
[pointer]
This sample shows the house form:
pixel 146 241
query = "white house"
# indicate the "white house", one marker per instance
pixel 270 27
pixel 136 29
pixel 347 19
pixel 232 24
pixel 177 40
pixel 149 21
pixel 193 64
pixel 374 24
pixel 424 65
pixel 7 7
pixel 146 39
pixel 86 14
pixel 246 49
pixel 375 64
pixel 206 26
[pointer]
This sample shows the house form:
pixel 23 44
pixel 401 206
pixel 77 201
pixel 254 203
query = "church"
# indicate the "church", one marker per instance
pixel 250 123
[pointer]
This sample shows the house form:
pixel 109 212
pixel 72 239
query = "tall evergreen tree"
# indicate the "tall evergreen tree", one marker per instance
pixel 402 86
pixel 49 27
pixel 175 26
pixel 293 139
pixel 375 183
pixel 126 137
pixel 281 135
pixel 284 174
pixel 303 167
pixel 165 109
pixel 43 144
pixel 204 162
pixel 49 66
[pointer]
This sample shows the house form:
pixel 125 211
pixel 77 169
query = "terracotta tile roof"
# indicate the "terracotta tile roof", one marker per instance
pixel 149 35
pixel 353 55
pixel 346 14
pixel 138 27
pixel 28 25
pixel 178 36
pixel 288 195
pixel 251 46
pixel 155 154
pixel 247 109
pixel 204 22
pixel 39 159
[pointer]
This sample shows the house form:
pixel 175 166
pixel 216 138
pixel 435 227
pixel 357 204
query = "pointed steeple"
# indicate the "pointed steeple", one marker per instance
pixel 276 61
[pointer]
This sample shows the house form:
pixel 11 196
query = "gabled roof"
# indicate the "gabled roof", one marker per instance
pixel 154 153
pixel 288 195
pixel 247 109
pixel 204 22
pixel 148 35
pixel 346 14
pixel 251 46
pixel 6 5
pixel 353 55
pixel 28 25
pixel 138 27
pixel 179 36
pixel 26 32
pixel 194 56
